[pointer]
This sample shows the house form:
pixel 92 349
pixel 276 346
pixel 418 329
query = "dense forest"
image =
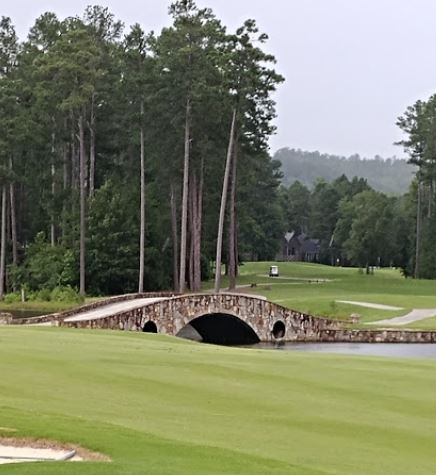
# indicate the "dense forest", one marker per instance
pixel 392 176
pixel 123 153
pixel 134 161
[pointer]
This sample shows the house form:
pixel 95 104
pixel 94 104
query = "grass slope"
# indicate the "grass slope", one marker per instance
pixel 315 289
pixel 159 405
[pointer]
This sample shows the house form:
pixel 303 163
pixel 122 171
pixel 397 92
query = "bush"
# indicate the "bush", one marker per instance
pixel 43 294
pixel 13 297
pixel 65 294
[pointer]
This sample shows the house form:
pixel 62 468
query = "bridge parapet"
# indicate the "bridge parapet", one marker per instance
pixel 269 320
pixel 60 316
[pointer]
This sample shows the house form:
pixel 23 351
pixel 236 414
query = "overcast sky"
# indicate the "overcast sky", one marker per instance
pixel 351 66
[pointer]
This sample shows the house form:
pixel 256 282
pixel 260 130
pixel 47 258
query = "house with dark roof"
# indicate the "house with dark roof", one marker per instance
pixel 299 247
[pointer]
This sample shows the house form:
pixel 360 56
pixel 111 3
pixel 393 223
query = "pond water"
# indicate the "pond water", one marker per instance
pixel 25 313
pixel 393 350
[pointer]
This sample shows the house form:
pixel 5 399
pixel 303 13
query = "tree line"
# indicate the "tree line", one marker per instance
pixel 131 160
pixel 389 175
pixel 355 224
pixel 419 126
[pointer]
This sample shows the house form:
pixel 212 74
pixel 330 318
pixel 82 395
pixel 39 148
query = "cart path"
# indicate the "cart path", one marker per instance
pixel 378 306
pixel 113 308
pixel 415 315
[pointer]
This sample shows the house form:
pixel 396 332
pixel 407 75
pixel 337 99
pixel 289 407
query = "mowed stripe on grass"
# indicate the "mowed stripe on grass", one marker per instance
pixel 156 404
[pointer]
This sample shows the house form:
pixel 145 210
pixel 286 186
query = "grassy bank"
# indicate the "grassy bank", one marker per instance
pixel 316 289
pixel 159 405
pixel 41 307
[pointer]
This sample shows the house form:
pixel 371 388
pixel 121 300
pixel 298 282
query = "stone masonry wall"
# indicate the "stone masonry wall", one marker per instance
pixel 171 315
pixel 59 316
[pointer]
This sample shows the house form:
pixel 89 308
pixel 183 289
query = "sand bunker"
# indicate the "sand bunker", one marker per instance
pixel 14 450
pixel 370 305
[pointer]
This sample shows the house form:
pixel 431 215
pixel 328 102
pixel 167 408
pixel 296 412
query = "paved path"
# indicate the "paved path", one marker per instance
pixel 413 316
pixel 370 305
pixel 302 279
pixel 113 308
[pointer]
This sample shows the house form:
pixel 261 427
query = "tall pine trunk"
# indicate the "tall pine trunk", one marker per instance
pixel 142 207
pixel 3 243
pixel 418 233
pixel 73 155
pixel 191 217
pixel 64 187
pixel 175 237
pixel 184 221
pixel 13 220
pixel 92 148
pixel 219 241
pixel 233 260
pixel 198 214
pixel 82 170
pixel 53 191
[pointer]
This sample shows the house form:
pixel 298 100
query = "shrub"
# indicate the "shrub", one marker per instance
pixel 13 297
pixel 65 294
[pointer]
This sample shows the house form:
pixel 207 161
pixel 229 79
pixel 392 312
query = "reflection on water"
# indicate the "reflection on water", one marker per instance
pixel 24 313
pixel 396 350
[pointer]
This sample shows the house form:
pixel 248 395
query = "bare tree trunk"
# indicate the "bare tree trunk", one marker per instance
pixel 142 207
pixel 184 222
pixel 3 244
pixel 92 148
pixel 82 204
pixel 418 233
pixel 219 243
pixel 191 264
pixel 175 237
pixel 13 220
pixel 65 186
pixel 73 156
pixel 53 190
pixel 191 217
pixel 232 223
pixel 198 210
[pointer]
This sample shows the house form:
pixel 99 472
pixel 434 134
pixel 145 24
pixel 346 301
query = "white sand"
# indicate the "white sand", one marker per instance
pixel 10 454
pixel 378 306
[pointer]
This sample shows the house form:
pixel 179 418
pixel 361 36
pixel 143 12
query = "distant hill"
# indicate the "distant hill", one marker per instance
pixel 392 176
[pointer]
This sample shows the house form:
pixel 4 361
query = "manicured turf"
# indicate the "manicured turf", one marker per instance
pixel 159 405
pixel 315 289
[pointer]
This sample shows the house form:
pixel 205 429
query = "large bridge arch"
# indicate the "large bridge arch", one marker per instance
pixel 219 328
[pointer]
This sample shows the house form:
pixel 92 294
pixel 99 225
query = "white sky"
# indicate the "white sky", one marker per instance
pixel 351 66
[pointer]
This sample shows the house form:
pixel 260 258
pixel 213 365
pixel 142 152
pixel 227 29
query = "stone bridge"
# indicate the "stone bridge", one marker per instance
pixel 226 318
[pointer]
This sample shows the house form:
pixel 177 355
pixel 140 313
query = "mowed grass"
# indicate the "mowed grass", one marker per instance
pixel 316 289
pixel 160 405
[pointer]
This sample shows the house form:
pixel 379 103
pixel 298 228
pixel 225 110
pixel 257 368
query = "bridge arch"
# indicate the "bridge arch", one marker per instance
pixel 219 328
pixel 149 327
pixel 279 330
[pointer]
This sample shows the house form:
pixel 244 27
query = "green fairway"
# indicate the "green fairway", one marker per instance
pixel 315 289
pixel 160 405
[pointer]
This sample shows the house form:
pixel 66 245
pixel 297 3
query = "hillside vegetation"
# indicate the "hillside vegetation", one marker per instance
pixel 391 176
